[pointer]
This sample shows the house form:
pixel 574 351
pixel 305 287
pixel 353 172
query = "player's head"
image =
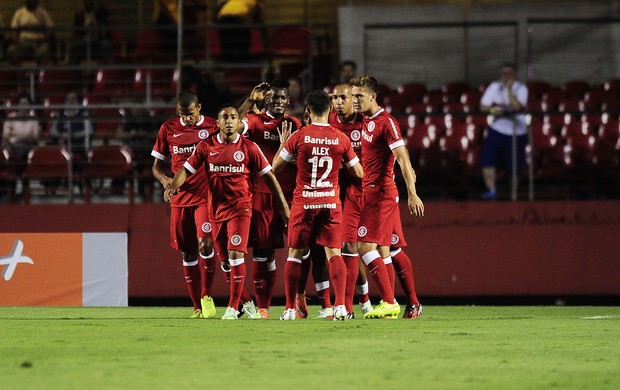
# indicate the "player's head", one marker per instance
pixel 508 73
pixel 228 120
pixel 342 100
pixel 188 108
pixel 277 98
pixel 364 90
pixel 317 102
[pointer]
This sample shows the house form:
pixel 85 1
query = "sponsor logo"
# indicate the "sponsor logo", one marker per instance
pixel 203 134
pixel 367 137
pixel 318 194
pixel 371 126
pixel 235 240
pixel 355 135
pixel 183 149
pixel 319 206
pixel 272 137
pixel 395 239
pixel 321 141
pixel 239 156
pixel 226 168
pixel 10 262
pixel 206 227
pixel 395 129
pixel 362 231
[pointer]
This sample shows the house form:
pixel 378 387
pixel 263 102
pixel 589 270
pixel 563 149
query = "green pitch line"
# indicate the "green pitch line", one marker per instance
pixel 448 347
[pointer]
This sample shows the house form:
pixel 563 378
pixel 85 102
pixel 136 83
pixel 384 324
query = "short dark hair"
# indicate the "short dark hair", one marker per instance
pixel 224 106
pixel 509 65
pixel 318 102
pixel 278 84
pixel 367 82
pixel 187 98
pixel 350 63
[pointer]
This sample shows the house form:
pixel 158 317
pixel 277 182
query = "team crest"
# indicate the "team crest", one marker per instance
pixel 239 156
pixel 371 126
pixel 203 134
pixel 355 135
pixel 362 231
pixel 235 240
pixel 206 227
pixel 395 239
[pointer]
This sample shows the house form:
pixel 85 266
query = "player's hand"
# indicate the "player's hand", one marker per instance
pixel 416 207
pixel 258 92
pixel 285 131
pixel 169 192
pixel 166 182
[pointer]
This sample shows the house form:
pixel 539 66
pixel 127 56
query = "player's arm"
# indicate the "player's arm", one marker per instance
pixel 160 170
pixel 276 190
pixel 177 181
pixel 250 104
pixel 356 170
pixel 416 207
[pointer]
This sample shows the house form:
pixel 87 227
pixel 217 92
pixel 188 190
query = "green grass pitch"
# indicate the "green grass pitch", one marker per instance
pixel 449 347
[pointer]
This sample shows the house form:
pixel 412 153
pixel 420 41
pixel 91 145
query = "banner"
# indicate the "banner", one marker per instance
pixel 63 269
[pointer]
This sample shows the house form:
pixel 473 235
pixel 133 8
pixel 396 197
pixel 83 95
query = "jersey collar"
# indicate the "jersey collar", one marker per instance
pixel 202 119
pixel 373 116
pixel 219 138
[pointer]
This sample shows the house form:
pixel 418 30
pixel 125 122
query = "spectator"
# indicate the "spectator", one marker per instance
pixel 72 126
pixel 505 99
pixel 166 20
pixel 297 104
pixel 20 132
pixel 348 70
pixel 237 16
pixel 32 35
pixel 91 35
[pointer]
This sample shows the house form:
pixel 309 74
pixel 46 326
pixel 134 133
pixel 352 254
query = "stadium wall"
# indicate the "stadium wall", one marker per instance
pixel 458 249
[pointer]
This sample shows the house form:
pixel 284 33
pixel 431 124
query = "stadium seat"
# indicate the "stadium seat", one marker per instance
pixel 569 107
pixel 50 165
pixel 434 97
pixel 456 109
pixel 383 91
pixel 575 89
pixel 414 92
pixel 290 42
pixel 57 82
pixel 611 106
pixel 551 100
pixel 106 121
pixel 480 120
pixel 536 89
pixel 555 121
pixel 113 82
pixel 593 100
pixel 395 103
pixel 612 86
pixel 438 121
pixel 8 174
pixel 452 91
pixel 416 109
pixel 108 162
pixel 148 48
pixel 160 80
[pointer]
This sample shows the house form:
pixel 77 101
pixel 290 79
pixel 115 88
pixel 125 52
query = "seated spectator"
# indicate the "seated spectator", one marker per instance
pixel 72 126
pixel 91 34
pixel 32 35
pixel 20 132
pixel 138 130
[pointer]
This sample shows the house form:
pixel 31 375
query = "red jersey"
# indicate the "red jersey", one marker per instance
pixel 229 168
pixel 177 141
pixel 263 130
pixel 353 130
pixel 380 135
pixel 319 150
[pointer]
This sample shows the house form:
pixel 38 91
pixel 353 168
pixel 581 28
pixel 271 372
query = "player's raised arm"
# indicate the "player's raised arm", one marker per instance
pixel 280 159
pixel 254 100
pixel 416 207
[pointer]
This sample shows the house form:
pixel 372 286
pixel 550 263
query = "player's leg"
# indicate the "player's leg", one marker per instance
pixel 320 274
pixel 206 260
pixel 301 304
pixel 361 287
pixel 328 231
pixel 292 272
pixel 183 238
pixel 404 270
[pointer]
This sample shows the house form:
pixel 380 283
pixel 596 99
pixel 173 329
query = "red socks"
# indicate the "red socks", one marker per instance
pixel 404 271
pixel 292 271
pixel 237 282
pixel 261 282
pixel 193 282
pixel 390 270
pixel 207 273
pixel 352 265
pixel 379 274
pixel 338 275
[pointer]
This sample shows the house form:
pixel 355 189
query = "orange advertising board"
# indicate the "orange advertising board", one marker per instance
pixel 41 269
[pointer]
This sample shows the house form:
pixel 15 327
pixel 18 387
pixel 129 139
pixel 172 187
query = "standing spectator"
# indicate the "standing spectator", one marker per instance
pixel 20 132
pixel 348 70
pixel 297 102
pixel 236 35
pixel 72 126
pixel 230 162
pixel 91 34
pixel 505 99
pixel 319 150
pixel 32 35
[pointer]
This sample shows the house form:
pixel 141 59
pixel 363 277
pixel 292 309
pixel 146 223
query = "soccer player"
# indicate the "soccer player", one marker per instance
pixel 344 118
pixel 381 144
pixel 319 150
pixel 190 229
pixel 230 161
pixel 266 230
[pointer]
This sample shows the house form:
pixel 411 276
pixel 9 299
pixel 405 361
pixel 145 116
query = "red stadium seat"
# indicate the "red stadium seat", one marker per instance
pixel 416 109
pixel 452 91
pixel 551 100
pixel 395 103
pixel 455 109
pixel 414 92
pixel 8 174
pixel 113 82
pixel 46 162
pixel 290 42
pixel 593 100
pixel 569 106
pixel 537 88
pixel 434 97
pixel 56 82
pixel 108 162
pixel 613 88
pixel 575 89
